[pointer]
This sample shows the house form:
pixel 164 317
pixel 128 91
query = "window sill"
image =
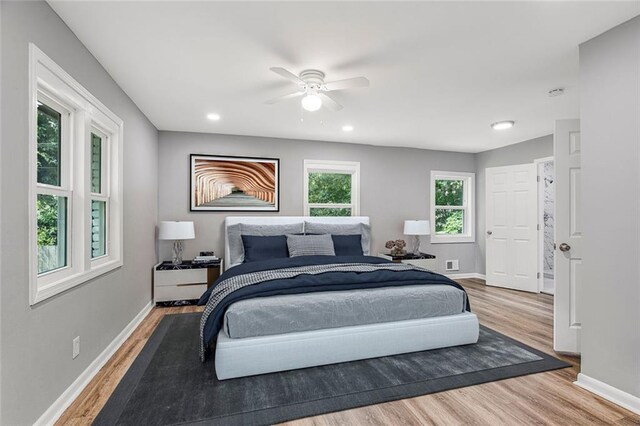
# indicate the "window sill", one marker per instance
pixel 44 293
pixel 450 239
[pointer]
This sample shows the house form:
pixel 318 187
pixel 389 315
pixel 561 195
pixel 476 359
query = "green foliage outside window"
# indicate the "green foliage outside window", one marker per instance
pixel 449 221
pixel 318 211
pixel 48 157
pixel 449 193
pixel 333 188
pixel 48 212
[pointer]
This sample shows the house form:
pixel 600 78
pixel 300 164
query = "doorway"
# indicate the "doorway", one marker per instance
pixel 546 222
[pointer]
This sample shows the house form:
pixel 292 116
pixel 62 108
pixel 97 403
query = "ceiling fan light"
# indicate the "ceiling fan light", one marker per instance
pixel 311 102
pixel 502 125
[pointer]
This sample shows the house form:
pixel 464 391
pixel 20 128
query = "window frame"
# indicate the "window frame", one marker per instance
pixel 468 207
pixel 50 83
pixel 340 167
pixel 103 195
pixel 62 190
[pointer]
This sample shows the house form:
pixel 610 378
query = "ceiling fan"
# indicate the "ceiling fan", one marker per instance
pixel 314 90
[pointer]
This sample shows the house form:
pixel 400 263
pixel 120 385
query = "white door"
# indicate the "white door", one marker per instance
pixel 568 227
pixel 512 237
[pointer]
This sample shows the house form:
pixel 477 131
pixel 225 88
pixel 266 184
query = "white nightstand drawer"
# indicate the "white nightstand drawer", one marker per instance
pixel 179 292
pixel 183 276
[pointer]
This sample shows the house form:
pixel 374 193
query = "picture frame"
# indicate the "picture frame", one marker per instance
pixel 222 183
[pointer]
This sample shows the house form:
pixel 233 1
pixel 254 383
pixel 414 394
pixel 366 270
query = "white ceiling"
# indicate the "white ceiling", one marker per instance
pixel 440 72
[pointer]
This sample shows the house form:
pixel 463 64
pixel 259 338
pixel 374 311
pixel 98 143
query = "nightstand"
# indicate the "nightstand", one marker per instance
pixel 186 281
pixel 424 260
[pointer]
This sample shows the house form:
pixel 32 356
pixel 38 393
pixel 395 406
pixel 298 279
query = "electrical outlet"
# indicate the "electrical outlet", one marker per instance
pixel 76 347
pixel 452 265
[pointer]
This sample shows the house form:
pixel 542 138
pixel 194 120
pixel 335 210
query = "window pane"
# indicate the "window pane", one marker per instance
pixel 49 137
pixel 334 188
pixel 98 228
pixel 323 211
pixel 96 163
pixel 449 221
pixel 449 192
pixel 52 232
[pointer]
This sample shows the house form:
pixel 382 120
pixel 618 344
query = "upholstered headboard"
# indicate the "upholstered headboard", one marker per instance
pixel 282 220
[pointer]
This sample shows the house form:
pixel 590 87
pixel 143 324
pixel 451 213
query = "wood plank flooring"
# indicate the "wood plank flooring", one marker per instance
pixel 546 398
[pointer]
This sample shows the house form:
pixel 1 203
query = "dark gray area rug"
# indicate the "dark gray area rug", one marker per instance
pixel 167 384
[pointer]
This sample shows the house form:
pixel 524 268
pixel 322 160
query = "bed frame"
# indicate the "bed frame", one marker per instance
pixel 267 354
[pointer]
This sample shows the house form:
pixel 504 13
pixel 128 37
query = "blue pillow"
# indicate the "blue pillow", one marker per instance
pixel 347 245
pixel 264 248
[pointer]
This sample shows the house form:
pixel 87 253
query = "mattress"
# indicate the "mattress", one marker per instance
pixel 265 316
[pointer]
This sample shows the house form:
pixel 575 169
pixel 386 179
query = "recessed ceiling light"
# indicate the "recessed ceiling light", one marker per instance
pixel 347 128
pixel 502 125
pixel 213 117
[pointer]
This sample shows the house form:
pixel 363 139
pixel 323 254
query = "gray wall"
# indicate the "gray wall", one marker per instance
pixel 36 341
pixel 520 153
pixel 394 185
pixel 610 285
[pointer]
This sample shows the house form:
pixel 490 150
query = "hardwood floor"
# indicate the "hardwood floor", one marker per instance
pixel 546 398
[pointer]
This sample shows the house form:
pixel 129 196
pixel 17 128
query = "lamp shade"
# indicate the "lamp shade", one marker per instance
pixel 416 227
pixel 171 230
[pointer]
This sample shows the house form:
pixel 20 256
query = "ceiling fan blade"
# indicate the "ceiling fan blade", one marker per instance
pixel 349 83
pixel 287 74
pixel 285 97
pixel 329 102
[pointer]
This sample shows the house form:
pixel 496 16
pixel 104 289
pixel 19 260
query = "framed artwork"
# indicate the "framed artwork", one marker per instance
pixel 223 183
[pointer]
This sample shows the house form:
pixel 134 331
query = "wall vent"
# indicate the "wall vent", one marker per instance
pixel 452 265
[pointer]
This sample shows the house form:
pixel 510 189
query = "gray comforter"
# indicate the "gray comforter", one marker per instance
pixel 266 316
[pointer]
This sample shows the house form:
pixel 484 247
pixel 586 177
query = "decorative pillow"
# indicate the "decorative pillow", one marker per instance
pixel 310 245
pixel 347 245
pixel 264 248
pixel 235 232
pixel 342 229
pixel 236 250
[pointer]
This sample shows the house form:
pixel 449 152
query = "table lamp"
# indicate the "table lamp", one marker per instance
pixel 176 231
pixel 416 228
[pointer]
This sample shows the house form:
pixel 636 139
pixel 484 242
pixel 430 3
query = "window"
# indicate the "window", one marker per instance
pixel 331 188
pixel 452 207
pixel 76 182
pixel 52 185
pixel 99 194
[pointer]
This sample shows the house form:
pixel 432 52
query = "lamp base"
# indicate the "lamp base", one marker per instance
pixel 415 244
pixel 177 252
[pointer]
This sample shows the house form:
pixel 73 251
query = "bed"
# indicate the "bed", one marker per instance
pixel 285 313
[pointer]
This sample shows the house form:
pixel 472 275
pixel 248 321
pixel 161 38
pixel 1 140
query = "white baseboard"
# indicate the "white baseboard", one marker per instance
pixel 608 392
pixel 466 275
pixel 56 410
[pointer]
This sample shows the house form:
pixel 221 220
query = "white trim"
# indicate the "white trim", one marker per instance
pixel 469 207
pixel 608 392
pixel 53 413
pixel 465 275
pixel 326 166
pixel 84 112
pixel 0 235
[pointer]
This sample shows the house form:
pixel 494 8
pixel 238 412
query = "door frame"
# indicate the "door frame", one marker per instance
pixel 540 186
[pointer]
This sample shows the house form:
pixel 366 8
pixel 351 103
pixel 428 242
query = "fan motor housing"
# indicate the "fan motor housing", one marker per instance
pixel 312 78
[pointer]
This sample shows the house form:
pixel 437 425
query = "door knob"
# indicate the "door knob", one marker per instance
pixel 565 247
pixel 489 232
